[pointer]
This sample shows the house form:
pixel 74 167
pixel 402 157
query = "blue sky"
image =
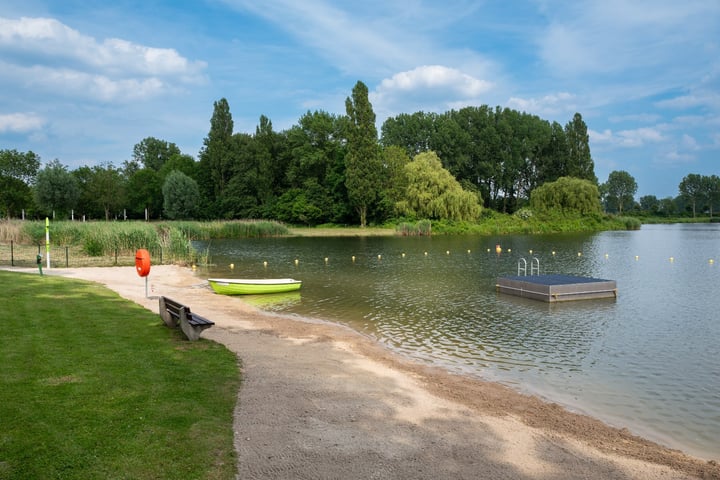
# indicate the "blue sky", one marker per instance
pixel 84 81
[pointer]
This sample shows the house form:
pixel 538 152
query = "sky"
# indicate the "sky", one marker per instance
pixel 84 81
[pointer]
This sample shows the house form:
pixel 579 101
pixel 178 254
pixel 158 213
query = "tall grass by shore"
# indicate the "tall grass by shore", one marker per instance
pixel 170 240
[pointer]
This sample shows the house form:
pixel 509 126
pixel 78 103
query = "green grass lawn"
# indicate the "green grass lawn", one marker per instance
pixel 95 386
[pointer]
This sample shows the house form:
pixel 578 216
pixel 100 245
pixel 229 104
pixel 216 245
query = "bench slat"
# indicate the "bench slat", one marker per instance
pixel 191 325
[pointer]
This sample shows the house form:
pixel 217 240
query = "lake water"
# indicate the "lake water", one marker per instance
pixel 648 360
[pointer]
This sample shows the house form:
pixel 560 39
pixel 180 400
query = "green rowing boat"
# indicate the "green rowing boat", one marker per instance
pixel 244 286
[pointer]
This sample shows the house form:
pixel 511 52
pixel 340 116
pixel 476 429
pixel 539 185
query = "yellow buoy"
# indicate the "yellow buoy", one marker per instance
pixel 531 251
pixel 447 252
pixel 265 263
pixel 498 248
pixel 353 258
pixel 426 254
pixel 711 261
pixel 509 250
pixel 326 259
pixel 606 255
pixel 379 257
pixel 579 254
pixel 672 259
pixel 403 254
pixel 232 265
pixel 637 257
pixel 553 252
pixel 297 261
pixel 468 250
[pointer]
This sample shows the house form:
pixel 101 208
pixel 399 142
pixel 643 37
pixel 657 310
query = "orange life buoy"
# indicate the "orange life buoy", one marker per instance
pixel 142 262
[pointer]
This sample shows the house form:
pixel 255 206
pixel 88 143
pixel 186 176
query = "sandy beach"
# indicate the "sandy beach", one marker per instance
pixel 319 400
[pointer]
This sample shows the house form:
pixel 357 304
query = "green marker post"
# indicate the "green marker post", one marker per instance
pixel 47 241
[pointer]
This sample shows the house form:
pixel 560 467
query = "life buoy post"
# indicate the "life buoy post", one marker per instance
pixel 142 265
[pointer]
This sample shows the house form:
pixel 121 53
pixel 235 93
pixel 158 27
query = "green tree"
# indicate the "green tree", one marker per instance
pixel 579 160
pixel 567 196
pixel 17 174
pixel 216 156
pixel 711 187
pixel 620 191
pixel 394 179
pixel 692 189
pixel 144 193
pixel 56 189
pixel 180 194
pixel 650 204
pixel 153 153
pixel 362 163
pixel 433 193
pixel 102 188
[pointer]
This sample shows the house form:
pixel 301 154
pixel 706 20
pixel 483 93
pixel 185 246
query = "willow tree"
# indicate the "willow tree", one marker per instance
pixel 434 193
pixel 363 168
pixel 567 195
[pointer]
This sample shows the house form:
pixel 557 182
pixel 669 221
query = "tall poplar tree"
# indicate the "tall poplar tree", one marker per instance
pixel 216 154
pixel 579 163
pixel 363 168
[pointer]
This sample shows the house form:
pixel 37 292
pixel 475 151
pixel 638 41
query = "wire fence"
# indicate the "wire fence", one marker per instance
pixel 24 255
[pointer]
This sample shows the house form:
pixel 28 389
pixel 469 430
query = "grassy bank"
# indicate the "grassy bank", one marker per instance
pixel 94 386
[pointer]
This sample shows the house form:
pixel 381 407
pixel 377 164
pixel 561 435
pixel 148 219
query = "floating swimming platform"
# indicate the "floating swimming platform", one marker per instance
pixel 556 287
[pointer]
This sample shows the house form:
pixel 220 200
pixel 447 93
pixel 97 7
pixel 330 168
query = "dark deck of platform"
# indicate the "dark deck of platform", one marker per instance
pixel 557 288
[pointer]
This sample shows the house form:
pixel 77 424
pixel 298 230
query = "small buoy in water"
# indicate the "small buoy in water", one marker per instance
pixel 403 254
pixel 426 254
pixel 265 263
pixel 488 250
pixel 579 254
pixel 606 255
pixel 468 250
pixel 297 261
pixel 447 252
pixel 711 261
pixel 353 258
pixel 498 248
pixel 326 259
pixel 379 257
pixel 553 252
pixel 194 267
pixel 232 265
pixel 509 250
pixel 672 259
pixel 531 251
pixel 637 257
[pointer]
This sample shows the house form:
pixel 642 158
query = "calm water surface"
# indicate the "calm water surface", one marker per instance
pixel 649 360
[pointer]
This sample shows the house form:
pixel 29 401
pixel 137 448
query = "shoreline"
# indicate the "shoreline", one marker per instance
pixel 386 397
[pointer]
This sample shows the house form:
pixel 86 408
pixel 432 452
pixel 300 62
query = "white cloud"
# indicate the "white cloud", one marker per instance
pixel 627 138
pixel 639 137
pixel 552 104
pixel 689 142
pixel 114 69
pixel 436 77
pixel 427 88
pixel 20 122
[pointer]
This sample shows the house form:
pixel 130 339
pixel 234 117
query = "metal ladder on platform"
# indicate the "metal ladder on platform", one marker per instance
pixel 534 267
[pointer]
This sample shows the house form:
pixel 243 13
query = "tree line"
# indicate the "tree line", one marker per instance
pixel 331 169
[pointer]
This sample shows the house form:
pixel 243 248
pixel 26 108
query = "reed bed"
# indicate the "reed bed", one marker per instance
pixel 115 243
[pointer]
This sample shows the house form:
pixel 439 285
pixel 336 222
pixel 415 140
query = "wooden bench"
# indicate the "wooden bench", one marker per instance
pixel 176 314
